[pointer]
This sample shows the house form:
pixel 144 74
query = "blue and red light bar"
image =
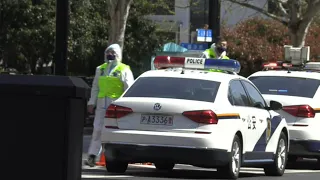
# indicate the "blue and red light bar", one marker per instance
pixel 162 62
pixel 277 65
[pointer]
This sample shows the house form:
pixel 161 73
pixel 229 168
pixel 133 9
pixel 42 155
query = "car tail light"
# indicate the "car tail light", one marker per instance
pixel 114 111
pixel 300 111
pixel 203 116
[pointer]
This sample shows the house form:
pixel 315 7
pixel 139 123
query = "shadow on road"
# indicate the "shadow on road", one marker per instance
pixel 186 174
pixel 304 165
pixel 177 174
pixel 196 174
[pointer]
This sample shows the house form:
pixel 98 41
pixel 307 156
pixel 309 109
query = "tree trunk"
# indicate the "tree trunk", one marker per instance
pixel 118 12
pixel 298 33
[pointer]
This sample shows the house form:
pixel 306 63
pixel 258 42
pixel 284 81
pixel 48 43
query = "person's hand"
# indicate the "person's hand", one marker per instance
pixel 90 108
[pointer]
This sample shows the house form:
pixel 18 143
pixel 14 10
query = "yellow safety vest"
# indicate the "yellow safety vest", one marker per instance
pixel 211 53
pixel 111 86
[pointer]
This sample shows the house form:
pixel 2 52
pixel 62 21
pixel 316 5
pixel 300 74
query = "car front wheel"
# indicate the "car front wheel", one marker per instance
pixel 116 166
pixel 164 166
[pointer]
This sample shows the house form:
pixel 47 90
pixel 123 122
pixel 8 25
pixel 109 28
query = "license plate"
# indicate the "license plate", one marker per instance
pixel 156 120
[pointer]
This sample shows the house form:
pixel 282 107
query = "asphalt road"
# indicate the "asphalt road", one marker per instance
pixel 305 169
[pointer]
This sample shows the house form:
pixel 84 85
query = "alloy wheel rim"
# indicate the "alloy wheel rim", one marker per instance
pixel 281 154
pixel 235 158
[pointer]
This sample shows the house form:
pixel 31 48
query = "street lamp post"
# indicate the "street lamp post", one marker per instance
pixel 214 19
pixel 61 48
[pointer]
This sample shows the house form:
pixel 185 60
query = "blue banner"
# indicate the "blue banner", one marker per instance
pixel 199 47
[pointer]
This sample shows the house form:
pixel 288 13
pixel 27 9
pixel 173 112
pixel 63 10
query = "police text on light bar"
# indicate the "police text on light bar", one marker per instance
pixel 162 62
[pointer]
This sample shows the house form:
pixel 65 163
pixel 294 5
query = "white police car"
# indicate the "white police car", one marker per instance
pixel 191 116
pixel 312 66
pixel 299 92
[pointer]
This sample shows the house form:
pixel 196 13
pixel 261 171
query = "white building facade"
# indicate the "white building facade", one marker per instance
pixel 189 17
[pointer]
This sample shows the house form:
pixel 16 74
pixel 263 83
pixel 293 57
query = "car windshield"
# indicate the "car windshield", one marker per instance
pixel 286 86
pixel 175 88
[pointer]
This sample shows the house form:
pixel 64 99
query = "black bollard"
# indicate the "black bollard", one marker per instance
pixel 42 126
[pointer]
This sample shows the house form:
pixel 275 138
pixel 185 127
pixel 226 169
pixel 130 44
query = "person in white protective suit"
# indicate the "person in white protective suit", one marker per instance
pixel 112 78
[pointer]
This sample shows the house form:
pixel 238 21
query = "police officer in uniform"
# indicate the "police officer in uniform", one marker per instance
pixel 216 51
pixel 112 78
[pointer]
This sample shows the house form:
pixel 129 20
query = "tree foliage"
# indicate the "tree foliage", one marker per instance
pixel 297 15
pixel 258 40
pixel 27 35
pixel 142 37
pixel 88 35
pixel 118 12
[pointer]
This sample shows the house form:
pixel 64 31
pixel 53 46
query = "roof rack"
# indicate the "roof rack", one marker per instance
pixel 282 65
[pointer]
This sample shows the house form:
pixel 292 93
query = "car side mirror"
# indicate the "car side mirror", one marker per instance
pixel 274 105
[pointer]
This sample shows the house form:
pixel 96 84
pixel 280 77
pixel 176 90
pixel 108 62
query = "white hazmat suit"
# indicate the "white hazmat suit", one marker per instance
pixel 102 103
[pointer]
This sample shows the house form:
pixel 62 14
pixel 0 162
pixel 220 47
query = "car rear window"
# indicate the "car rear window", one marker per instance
pixel 286 86
pixel 175 88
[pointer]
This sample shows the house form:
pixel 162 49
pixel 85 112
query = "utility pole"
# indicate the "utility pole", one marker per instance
pixel 214 19
pixel 62 27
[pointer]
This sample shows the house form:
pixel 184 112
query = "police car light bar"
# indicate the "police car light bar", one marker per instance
pixel 277 65
pixel 162 62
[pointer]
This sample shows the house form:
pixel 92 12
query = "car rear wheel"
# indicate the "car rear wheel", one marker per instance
pixel 232 169
pixel 278 167
pixel 164 166
pixel 116 166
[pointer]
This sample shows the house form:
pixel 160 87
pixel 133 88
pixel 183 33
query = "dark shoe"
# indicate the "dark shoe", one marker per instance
pixel 91 161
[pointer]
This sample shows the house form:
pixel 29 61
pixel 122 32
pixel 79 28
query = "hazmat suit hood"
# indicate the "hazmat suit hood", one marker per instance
pixel 218 49
pixel 117 52
pixel 213 46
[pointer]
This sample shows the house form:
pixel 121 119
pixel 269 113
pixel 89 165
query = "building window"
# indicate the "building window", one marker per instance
pixel 199 14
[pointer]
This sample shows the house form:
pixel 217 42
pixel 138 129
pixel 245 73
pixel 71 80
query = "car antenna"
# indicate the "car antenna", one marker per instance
pixel 288 70
pixel 288 67
pixel 182 72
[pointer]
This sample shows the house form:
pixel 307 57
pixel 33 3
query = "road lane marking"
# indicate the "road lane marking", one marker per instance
pixel 243 170
pixel 104 176
pixel 187 167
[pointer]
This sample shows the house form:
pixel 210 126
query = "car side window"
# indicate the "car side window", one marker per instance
pixel 237 95
pixel 254 95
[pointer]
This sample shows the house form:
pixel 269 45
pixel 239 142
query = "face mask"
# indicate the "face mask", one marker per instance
pixel 221 49
pixel 111 57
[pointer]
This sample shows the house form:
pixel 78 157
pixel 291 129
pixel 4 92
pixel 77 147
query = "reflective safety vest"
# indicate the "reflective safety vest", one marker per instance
pixel 111 85
pixel 211 53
